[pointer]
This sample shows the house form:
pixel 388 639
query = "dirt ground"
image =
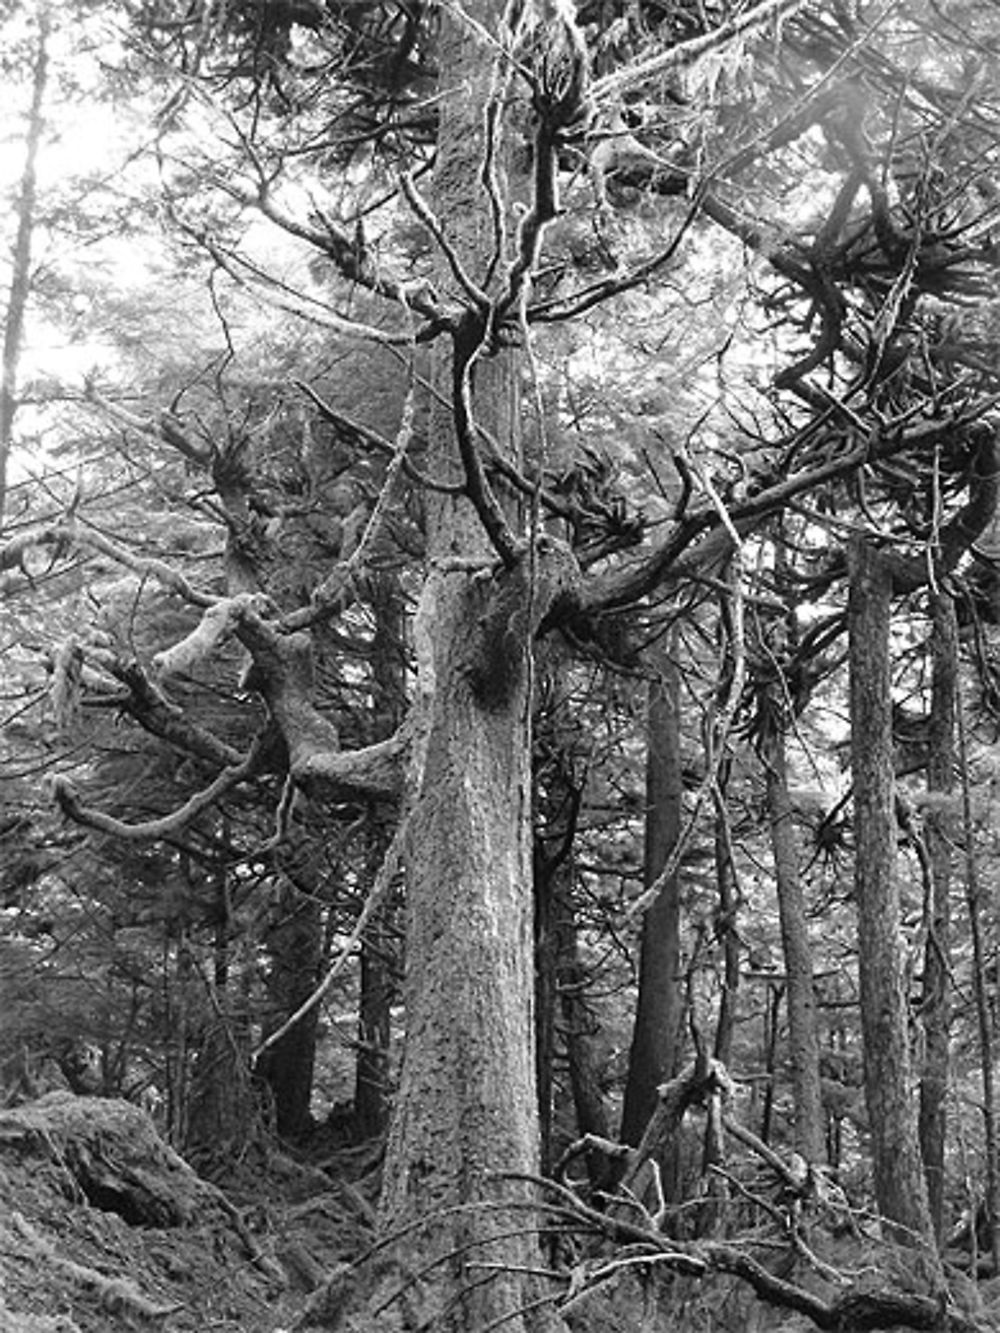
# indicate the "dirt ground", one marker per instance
pixel 103 1227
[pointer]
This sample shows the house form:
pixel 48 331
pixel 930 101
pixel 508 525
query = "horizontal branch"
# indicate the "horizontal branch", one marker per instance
pixel 69 803
pixel 680 56
pixel 700 540
pixel 69 535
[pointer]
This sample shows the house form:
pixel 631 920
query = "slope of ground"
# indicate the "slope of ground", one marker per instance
pixel 104 1227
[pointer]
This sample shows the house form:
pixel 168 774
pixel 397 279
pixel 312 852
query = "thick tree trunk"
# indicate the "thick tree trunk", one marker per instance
pixel 466 1111
pixel 803 1043
pixel 466 1107
pixel 935 1001
pixel 899 1180
pixel 654 1056
pixel 20 282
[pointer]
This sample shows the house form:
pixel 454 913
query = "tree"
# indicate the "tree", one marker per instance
pixel 505 549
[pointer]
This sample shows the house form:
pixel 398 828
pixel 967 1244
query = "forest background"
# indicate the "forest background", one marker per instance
pixel 499 576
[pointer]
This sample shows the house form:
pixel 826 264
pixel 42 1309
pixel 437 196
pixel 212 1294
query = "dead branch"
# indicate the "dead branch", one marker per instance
pixel 69 803
pixel 850 1307
pixel 611 87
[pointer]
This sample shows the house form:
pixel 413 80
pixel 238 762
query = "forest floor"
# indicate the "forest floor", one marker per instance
pixel 103 1227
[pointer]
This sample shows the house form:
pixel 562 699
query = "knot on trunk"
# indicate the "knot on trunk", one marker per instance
pixel 508 610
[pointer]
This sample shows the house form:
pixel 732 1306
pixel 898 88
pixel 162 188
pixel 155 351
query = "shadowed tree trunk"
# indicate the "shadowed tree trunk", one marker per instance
pixel 294 944
pixel 803 1044
pixel 935 1000
pixel 655 1050
pixel 900 1189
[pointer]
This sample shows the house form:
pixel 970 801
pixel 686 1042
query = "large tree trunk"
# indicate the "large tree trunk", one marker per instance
pixel 466 1111
pixel 654 1056
pixel 466 1106
pixel 803 1044
pixel 899 1180
pixel 935 1006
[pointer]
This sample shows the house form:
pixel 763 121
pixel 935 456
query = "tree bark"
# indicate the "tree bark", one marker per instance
pixel 900 1190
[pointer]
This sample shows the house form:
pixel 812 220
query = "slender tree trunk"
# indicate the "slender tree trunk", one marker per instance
pixel 775 993
pixel 589 1101
pixel 560 983
pixel 655 1050
pixel 900 1189
pixel 20 283
pixel 935 1003
pixel 803 1043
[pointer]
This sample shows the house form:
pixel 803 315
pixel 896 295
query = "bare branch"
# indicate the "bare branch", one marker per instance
pixel 218 623
pixel 612 86
pixel 69 803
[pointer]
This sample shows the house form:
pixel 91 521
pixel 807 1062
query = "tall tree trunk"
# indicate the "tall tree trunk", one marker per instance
pixel 20 283
pixel 803 1043
pixel 935 1001
pixel 654 1055
pixel 466 1111
pixel 900 1189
